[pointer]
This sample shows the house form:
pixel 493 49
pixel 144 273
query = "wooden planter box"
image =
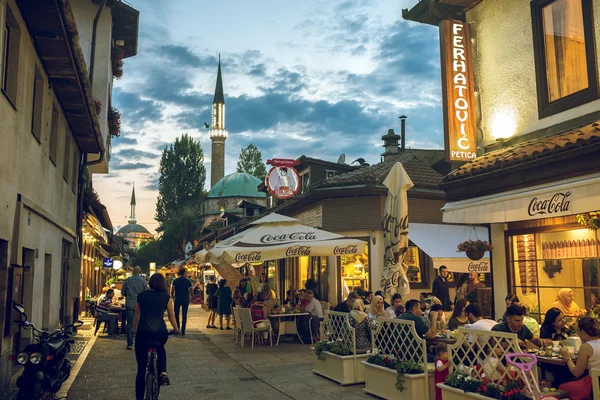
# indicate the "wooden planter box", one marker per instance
pixel 381 381
pixel 345 370
pixel 450 393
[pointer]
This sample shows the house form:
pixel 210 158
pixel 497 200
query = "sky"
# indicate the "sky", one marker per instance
pixel 316 78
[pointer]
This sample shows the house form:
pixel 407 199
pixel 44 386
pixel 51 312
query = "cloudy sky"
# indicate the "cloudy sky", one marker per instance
pixel 315 77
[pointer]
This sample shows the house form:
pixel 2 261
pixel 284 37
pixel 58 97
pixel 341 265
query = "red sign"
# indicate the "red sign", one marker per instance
pixel 283 182
pixel 283 162
pixel 458 91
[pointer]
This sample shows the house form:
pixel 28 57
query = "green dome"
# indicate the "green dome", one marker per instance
pixel 132 228
pixel 239 184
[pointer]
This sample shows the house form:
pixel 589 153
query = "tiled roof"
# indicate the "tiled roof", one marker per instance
pixel 422 175
pixel 527 151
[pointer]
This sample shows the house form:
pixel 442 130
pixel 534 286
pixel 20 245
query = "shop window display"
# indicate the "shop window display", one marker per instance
pixel 354 273
pixel 544 263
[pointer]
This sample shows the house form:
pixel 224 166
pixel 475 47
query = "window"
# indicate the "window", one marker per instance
pixel 54 135
pixel 563 35
pixel 10 56
pixel 38 104
pixel 354 272
pixel 67 156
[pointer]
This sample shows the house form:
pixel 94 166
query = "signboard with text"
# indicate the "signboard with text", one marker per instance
pixel 458 94
pixel 282 180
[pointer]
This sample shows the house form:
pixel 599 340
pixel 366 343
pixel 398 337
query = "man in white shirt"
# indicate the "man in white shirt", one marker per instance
pixel 477 321
pixel 314 308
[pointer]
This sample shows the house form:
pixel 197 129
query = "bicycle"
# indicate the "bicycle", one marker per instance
pixel 152 384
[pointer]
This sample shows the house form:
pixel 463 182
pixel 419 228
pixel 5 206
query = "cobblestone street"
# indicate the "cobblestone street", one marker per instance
pixel 209 365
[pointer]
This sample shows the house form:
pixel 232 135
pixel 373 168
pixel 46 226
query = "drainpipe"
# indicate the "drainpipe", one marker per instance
pixel 93 55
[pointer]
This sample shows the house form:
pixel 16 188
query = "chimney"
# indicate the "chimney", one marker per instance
pixel 390 144
pixel 403 132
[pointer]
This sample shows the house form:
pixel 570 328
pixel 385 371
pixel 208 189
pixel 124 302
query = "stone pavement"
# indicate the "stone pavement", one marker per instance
pixel 209 365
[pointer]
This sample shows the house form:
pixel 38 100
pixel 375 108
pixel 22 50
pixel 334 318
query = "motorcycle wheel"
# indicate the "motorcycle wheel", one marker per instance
pixel 33 392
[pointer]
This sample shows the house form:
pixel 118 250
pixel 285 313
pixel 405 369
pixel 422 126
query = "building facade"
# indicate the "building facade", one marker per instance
pixel 537 175
pixel 50 130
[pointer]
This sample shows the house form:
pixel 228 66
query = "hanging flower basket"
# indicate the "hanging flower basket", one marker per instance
pixel 117 61
pixel 475 249
pixel 590 220
pixel 114 122
pixel 98 106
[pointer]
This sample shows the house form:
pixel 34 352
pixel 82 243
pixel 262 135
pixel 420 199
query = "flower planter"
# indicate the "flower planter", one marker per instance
pixel 381 381
pixel 450 393
pixel 345 370
pixel 475 254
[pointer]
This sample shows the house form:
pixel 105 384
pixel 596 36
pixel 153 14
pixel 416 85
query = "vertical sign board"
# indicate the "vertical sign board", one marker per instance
pixel 458 93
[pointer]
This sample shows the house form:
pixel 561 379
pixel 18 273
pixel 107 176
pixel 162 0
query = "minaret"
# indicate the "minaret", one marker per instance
pixel 218 134
pixel 132 218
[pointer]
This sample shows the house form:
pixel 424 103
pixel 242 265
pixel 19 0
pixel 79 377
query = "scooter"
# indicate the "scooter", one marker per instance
pixel 45 362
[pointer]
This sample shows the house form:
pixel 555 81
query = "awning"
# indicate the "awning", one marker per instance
pixel 440 242
pixel 557 199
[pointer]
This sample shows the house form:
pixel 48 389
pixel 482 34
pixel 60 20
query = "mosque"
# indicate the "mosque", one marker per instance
pixel 134 235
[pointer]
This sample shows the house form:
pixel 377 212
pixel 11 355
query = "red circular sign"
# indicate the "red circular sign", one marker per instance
pixel 283 182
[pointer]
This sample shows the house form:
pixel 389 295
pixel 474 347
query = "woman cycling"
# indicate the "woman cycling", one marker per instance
pixel 150 325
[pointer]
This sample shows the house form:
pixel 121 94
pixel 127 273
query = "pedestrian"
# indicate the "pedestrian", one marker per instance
pixel 132 287
pixel 474 282
pixel 441 289
pixel 441 368
pixel 181 291
pixel 224 299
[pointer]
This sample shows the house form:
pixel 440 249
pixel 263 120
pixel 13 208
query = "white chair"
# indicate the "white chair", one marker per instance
pixel 237 324
pixel 248 326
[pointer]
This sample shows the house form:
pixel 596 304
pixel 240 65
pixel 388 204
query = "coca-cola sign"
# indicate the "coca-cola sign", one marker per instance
pixel 297 251
pixel 556 204
pixel 343 250
pixel 254 256
pixel 288 237
pixel 479 266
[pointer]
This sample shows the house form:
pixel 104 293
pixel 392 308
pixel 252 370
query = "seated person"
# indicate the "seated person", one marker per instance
pixel 291 297
pixel 477 321
pixel 362 324
pixel 459 316
pixel 237 299
pixel 117 293
pixel 414 313
pixel 588 358
pixel 260 313
pixel 376 308
pixel 104 310
pixel 368 298
pixel 314 308
pixel 346 306
pixel 380 293
pixel 530 322
pixel 565 302
pixel 553 326
pixel 514 324
pixel 397 308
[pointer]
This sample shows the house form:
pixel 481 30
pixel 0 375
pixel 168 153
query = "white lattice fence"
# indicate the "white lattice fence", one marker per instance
pixel 483 355
pixel 400 339
pixel 335 327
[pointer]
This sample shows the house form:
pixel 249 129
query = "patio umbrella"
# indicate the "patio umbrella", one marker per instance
pixel 277 236
pixel 395 232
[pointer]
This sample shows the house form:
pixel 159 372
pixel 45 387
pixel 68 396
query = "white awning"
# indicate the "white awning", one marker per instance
pixel 440 242
pixel 557 199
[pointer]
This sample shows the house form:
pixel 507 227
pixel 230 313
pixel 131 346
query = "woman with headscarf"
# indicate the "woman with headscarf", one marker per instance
pixel 363 325
pixel 376 308
pixel 566 304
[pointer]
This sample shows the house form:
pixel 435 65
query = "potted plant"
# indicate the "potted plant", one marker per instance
pixel 114 122
pixel 590 220
pixel 474 248
pixel 460 385
pixel 336 361
pixel 117 61
pixel 391 378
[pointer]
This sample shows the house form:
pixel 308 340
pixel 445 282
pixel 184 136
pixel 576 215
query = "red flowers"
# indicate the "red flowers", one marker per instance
pixel 117 61
pixel 114 122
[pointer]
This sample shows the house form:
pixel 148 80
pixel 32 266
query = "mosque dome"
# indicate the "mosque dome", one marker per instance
pixel 238 184
pixel 132 228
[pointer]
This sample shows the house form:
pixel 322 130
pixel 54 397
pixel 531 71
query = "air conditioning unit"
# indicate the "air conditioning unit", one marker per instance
pixel 329 174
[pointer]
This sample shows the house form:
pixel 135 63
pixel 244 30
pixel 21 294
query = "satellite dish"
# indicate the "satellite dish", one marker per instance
pixel 342 159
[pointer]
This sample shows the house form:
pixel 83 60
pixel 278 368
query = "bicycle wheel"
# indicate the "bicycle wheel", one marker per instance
pixel 156 383
pixel 150 379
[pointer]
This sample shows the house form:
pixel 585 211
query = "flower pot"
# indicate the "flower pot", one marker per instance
pixel 381 382
pixel 475 254
pixel 450 393
pixel 345 370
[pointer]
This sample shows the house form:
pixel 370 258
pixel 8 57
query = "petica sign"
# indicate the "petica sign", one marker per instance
pixel 458 92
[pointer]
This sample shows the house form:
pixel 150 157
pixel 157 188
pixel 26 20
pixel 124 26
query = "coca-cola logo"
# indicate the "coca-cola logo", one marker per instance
pixel 254 256
pixel 342 250
pixel 481 266
pixel 294 236
pixel 556 204
pixel 394 228
pixel 297 251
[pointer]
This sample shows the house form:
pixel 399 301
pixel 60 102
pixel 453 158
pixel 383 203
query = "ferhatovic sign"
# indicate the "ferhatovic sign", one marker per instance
pixel 458 91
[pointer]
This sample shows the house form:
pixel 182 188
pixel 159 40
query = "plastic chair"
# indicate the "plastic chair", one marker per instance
pixel 237 324
pixel 249 326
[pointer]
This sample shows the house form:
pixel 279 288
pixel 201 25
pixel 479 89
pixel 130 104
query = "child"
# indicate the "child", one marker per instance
pixel 441 368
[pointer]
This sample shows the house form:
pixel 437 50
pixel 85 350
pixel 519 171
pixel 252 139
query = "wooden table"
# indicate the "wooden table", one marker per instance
pixel 287 324
pixel 554 360
pixel 438 340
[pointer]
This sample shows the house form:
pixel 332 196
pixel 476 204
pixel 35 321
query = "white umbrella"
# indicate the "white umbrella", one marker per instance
pixel 395 232
pixel 277 236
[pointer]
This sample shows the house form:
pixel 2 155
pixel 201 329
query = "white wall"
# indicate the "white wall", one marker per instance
pixel 505 69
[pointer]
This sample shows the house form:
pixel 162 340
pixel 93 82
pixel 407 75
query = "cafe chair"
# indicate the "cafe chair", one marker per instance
pixel 237 325
pixel 249 328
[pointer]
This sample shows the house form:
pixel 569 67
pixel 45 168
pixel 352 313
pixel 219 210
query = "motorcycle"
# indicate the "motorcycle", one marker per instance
pixel 45 362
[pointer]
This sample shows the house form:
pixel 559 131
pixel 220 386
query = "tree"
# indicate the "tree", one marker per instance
pixel 251 162
pixel 180 193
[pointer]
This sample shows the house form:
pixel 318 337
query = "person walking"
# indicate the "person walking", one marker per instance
pixel 132 287
pixel 181 291
pixel 211 301
pixel 224 303
pixel 440 288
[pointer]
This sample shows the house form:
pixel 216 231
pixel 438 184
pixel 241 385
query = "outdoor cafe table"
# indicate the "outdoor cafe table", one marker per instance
pixel 438 339
pixel 287 324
